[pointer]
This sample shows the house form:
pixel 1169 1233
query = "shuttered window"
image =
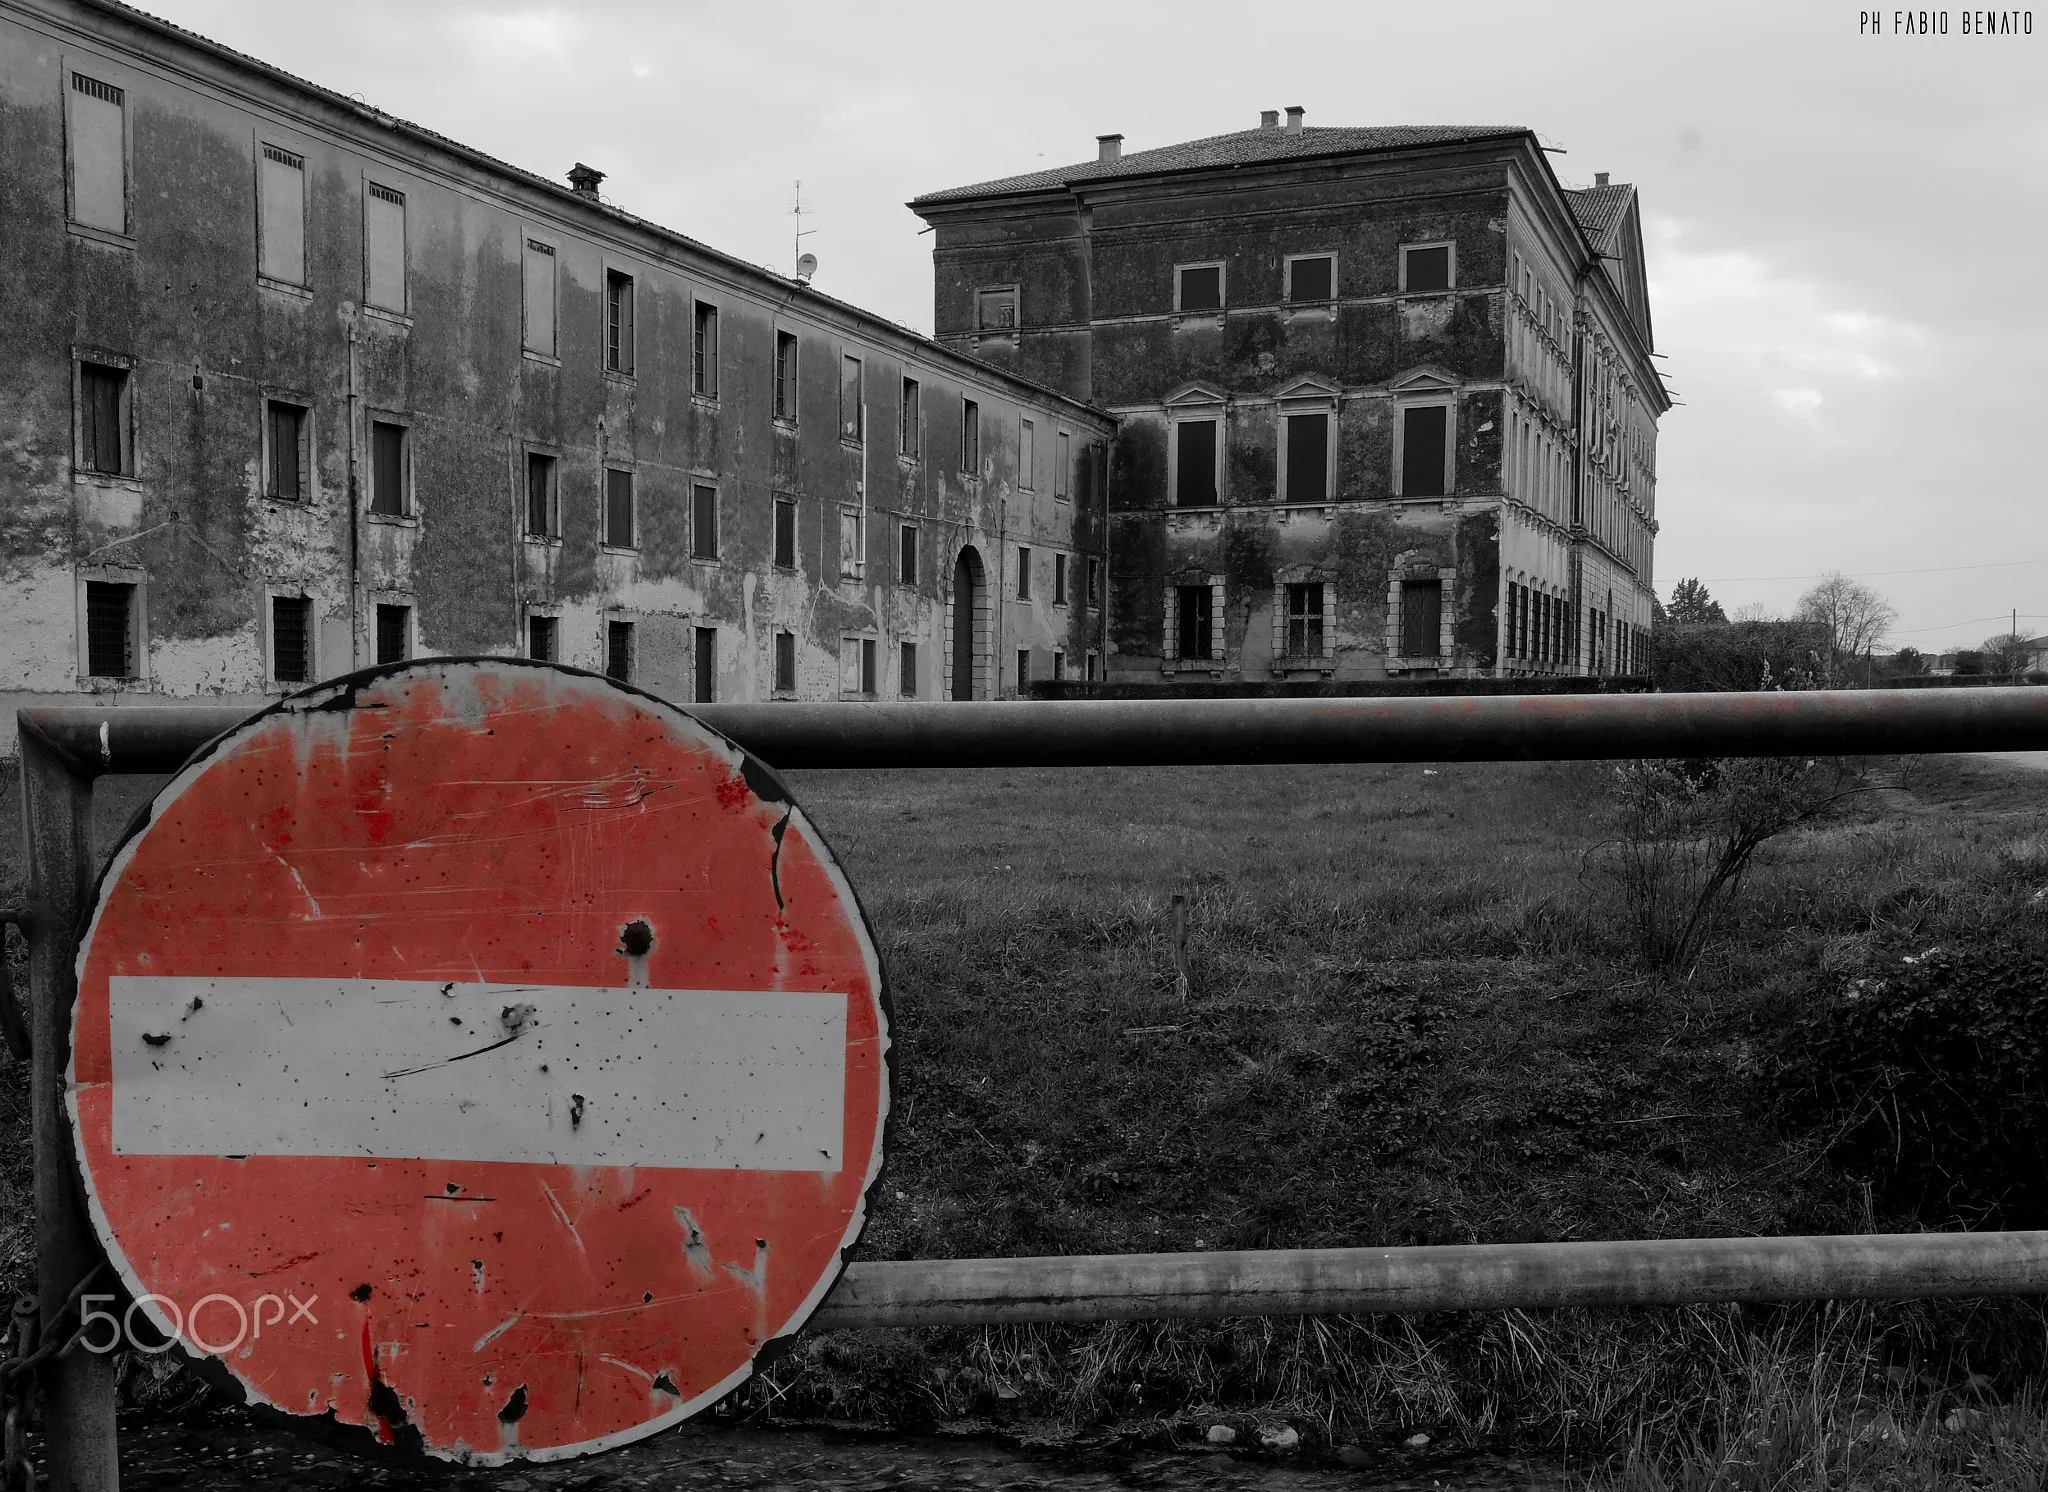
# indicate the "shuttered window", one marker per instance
pixel 618 322
pixel 384 247
pixel 102 392
pixel 281 206
pixel 1421 617
pixel 618 508
pixel 785 533
pixel 1195 464
pixel 1308 458
pixel 704 351
pixel 388 495
pixel 704 523
pixel 99 154
pixel 785 377
pixel 543 512
pixel 1423 450
pixel 540 297
pixel 286 435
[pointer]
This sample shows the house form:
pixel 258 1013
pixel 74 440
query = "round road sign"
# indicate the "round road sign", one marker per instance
pixel 479 1053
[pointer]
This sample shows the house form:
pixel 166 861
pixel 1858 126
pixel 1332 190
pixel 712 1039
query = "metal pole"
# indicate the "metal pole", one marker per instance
pixel 1219 732
pixel 1467 1277
pixel 78 1387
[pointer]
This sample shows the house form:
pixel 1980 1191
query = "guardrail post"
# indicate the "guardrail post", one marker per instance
pixel 78 1387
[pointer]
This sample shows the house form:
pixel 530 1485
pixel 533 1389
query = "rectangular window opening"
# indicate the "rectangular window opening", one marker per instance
pixel 1425 270
pixel 1027 453
pixel 703 522
pixel 540 297
pixel 99 154
pixel 1059 665
pixel 1194 605
pixel 1062 465
pixel 1200 288
pixel 913 419
pixel 785 533
pixel 618 323
pixel 1305 620
pixel 1023 669
pixel 785 377
pixel 1195 464
pixel 1423 450
pixel 291 639
pixel 704 665
pixel 1308 458
pixel 388 495
pixel 1059 580
pixel 543 511
pixel 868 665
pixel 286 434
pixel 906 670
pixel 618 650
pixel 852 417
pixel 102 401
pixel 1312 279
pixel 1421 618
pixel 109 629
pixel 853 541
pixel 704 351
pixel 1023 573
pixel 282 210
pixel 618 508
pixel 996 310
pixel 540 638
pixel 906 554
pixel 394 626
pixel 384 247
pixel 785 663
pixel 970 437
pixel 1094 581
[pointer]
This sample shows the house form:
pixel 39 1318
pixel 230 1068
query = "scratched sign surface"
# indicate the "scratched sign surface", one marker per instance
pixel 516 1030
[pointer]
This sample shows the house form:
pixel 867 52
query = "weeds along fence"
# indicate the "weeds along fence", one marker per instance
pixel 65 748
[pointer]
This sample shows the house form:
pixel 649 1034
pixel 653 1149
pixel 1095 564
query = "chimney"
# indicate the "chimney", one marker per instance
pixel 583 179
pixel 1599 178
pixel 1269 119
pixel 1109 147
pixel 1294 113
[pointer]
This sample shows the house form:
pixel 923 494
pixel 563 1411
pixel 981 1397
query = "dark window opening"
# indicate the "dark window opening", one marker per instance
pixel 109 629
pixel 1426 269
pixel 1023 574
pixel 1195 480
pixel 1094 581
pixel 543 519
pixel 852 417
pixel 1311 279
pixel 1421 618
pixel 906 671
pixel 995 309
pixel 1062 464
pixel 618 651
pixel 785 662
pixel 1202 289
pixel 785 376
pixel 1023 668
pixel 291 639
pixel 387 469
pixel 1308 458
pixel 970 436
pixel 703 523
pixel 101 393
pixel 867 665
pixel 287 450
pixel 705 680
pixel 618 322
pixel 785 534
pixel 1027 454
pixel 1195 619
pixel 1305 620
pixel 540 638
pixel 1059 665
pixel 393 622
pixel 704 352
pixel 618 508
pixel 1059 580
pixel 913 419
pixel 1422 450
pixel 906 554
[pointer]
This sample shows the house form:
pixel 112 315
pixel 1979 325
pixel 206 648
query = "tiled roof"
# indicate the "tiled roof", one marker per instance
pixel 1598 208
pixel 1243 148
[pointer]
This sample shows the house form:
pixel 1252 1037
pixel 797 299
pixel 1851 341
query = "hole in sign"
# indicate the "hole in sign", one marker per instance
pixel 515 1407
pixel 636 939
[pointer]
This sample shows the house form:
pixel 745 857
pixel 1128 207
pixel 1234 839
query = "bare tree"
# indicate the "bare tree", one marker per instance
pixel 2006 653
pixel 1853 617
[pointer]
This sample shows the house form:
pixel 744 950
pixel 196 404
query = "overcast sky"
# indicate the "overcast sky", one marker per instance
pixel 1844 230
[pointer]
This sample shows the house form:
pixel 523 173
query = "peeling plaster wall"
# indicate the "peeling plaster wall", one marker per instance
pixel 178 300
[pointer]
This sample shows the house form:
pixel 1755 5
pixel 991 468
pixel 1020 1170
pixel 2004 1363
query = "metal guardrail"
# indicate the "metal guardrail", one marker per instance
pixel 65 748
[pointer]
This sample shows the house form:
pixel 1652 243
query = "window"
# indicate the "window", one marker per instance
pixel 1312 277
pixel 99 154
pixel 540 638
pixel 1195 617
pixel 281 215
pixel 1194 454
pixel 1027 453
pixel 970 437
pixel 618 508
pixel 1023 668
pixel 906 670
pixel 996 310
pixel 103 444
pixel 785 377
pixel 906 554
pixel 704 658
pixel 704 352
pixel 857 665
pixel 384 247
pixel 1424 450
pixel 540 298
pixel 394 623
pixel 291 639
pixel 913 420
pixel 1059 665
pixel 1198 287
pixel 1062 464
pixel 1421 617
pixel 109 630
pixel 1094 666
pixel 543 509
pixel 1305 621
pixel 785 663
pixel 618 323
pixel 284 434
pixel 618 650
pixel 1308 458
pixel 853 541
pixel 1094 581
pixel 852 419
pixel 388 470
pixel 703 522
pixel 1023 573
pixel 1426 268
pixel 785 533
pixel 1059 580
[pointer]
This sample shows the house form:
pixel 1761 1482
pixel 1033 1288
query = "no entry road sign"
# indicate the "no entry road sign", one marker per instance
pixel 481 1054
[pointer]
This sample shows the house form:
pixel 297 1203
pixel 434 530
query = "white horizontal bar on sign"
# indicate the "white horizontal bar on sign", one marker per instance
pixel 415 1069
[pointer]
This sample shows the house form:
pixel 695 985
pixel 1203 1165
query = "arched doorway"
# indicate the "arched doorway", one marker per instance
pixel 967 626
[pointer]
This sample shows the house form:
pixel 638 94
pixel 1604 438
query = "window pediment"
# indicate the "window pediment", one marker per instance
pixel 1196 398
pixel 1314 390
pixel 1428 379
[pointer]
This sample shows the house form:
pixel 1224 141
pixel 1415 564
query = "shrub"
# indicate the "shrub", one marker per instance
pixel 1932 1079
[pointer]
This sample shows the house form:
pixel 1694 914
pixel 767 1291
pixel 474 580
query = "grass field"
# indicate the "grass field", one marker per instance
pixel 1413 1017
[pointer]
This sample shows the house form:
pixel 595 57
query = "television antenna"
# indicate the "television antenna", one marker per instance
pixel 806 264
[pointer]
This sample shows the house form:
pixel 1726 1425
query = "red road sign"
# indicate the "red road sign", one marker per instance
pixel 482 1054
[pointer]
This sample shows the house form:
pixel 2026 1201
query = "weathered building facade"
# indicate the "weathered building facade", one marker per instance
pixel 1386 399
pixel 288 386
